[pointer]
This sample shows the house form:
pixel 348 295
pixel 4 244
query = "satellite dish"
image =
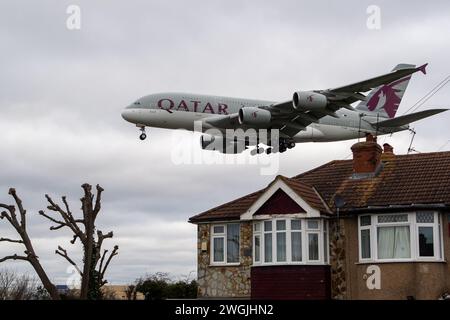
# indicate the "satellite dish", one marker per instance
pixel 339 202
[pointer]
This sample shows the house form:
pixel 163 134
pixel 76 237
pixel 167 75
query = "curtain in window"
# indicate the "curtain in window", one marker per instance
pixel 268 247
pixel 281 246
pixel 257 248
pixel 313 246
pixel 394 242
pixel 233 243
pixel 296 240
pixel 218 249
pixel 365 244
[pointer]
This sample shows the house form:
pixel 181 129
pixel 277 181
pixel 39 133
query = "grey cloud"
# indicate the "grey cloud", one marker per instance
pixel 62 92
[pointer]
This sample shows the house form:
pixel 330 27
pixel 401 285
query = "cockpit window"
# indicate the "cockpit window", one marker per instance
pixel 137 103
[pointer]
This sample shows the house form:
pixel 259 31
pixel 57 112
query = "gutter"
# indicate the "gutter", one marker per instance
pixel 395 208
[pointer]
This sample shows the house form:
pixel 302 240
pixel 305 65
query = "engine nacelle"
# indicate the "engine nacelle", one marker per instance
pixel 254 117
pixel 217 143
pixel 309 100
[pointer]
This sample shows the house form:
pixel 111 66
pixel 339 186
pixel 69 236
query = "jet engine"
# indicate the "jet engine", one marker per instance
pixel 309 100
pixel 217 143
pixel 254 117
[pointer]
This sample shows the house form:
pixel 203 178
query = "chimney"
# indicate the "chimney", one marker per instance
pixel 366 156
pixel 388 153
pixel 387 148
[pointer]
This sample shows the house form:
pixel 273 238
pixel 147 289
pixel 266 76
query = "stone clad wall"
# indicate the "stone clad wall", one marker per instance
pixel 338 260
pixel 224 281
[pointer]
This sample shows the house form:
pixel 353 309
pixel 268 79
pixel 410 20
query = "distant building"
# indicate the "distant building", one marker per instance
pixel 121 292
pixel 389 238
pixel 62 289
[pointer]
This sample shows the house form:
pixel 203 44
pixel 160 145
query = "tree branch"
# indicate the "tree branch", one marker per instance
pixel 98 200
pixel 60 224
pixel 69 221
pixel 113 253
pixel 10 240
pixel 63 253
pixel 102 237
pixel 22 211
pixel 14 257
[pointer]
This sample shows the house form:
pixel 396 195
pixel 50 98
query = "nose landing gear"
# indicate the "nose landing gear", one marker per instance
pixel 143 136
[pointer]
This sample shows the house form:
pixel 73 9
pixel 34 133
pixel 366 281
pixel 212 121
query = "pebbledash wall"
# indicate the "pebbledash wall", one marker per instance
pixel 399 280
pixel 224 281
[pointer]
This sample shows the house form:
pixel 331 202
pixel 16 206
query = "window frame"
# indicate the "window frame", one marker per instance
pixel 413 237
pixel 225 249
pixel 360 229
pixel 304 232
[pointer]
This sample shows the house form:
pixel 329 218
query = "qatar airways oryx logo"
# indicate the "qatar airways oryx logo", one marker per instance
pixel 231 147
pixel 387 97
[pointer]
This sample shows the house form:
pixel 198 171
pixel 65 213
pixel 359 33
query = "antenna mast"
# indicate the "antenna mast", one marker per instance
pixel 410 148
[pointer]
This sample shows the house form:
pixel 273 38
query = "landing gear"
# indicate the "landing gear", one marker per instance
pixel 257 150
pixel 143 135
pixel 286 144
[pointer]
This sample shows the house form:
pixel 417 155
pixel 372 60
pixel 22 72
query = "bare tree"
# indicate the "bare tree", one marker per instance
pixel 18 287
pixel 95 262
pixel 20 225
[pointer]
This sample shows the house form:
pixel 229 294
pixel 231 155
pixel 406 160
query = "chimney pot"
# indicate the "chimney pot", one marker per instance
pixel 387 148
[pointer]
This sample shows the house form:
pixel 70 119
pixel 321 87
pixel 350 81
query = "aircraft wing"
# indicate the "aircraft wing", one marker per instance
pixel 407 119
pixel 290 120
pixel 368 84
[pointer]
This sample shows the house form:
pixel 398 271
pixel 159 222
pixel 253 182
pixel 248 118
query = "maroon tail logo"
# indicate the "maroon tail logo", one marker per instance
pixel 392 100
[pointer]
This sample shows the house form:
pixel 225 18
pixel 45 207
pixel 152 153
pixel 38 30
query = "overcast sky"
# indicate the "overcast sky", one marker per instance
pixel 62 91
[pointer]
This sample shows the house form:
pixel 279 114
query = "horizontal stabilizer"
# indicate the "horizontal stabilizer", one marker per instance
pixel 407 119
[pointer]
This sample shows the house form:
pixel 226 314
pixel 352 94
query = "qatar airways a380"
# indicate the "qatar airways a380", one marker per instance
pixel 309 116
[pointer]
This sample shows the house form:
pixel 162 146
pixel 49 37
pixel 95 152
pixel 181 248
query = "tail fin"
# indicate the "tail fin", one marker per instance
pixel 385 100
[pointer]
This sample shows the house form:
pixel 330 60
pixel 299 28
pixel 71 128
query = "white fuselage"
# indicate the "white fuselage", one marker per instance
pixel 180 111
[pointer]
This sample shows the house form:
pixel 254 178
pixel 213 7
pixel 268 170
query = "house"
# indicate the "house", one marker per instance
pixel 374 227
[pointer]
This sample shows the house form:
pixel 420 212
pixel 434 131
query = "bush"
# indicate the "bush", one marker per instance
pixel 159 286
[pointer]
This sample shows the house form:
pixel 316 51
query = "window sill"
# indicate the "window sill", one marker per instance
pixel 290 264
pixel 225 264
pixel 400 261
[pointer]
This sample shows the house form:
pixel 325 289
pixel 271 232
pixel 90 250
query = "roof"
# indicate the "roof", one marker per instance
pixel 403 180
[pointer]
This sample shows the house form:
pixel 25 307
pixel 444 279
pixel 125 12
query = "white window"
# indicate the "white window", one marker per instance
pixel 225 243
pixel 290 241
pixel 399 237
pixel 364 234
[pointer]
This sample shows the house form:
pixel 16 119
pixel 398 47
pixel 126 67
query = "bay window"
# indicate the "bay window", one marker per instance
pixel 225 243
pixel 399 237
pixel 290 241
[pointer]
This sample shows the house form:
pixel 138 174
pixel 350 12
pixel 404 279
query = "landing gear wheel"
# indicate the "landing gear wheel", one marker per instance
pixel 260 150
pixel 143 135
pixel 291 145
pixel 268 150
pixel 253 152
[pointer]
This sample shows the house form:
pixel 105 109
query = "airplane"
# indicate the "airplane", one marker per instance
pixel 310 116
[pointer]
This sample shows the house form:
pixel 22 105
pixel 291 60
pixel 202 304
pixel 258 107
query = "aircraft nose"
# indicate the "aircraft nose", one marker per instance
pixel 126 114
